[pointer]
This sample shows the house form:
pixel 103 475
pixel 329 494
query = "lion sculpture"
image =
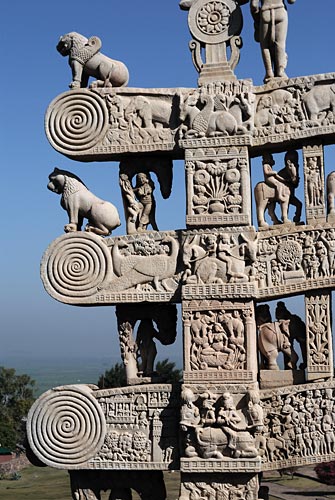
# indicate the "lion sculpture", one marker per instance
pixel 85 60
pixel 80 203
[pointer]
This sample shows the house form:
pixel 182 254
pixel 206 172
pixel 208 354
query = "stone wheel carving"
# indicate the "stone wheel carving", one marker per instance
pixel 75 265
pixel 76 121
pixel 66 427
pixel 214 21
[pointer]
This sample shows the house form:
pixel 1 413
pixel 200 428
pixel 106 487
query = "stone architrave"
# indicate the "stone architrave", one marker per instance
pixel 314 182
pixel 319 336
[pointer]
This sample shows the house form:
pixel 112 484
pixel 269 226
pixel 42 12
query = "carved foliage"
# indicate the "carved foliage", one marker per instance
pixel 318 322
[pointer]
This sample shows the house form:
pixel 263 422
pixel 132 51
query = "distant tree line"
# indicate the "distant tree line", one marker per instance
pixel 16 398
pixel 116 376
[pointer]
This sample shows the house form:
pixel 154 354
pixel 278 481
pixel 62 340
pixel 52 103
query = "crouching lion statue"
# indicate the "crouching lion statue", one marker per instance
pixel 85 60
pixel 80 203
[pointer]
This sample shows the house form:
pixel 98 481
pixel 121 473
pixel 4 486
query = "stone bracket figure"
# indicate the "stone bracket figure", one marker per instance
pixel 80 203
pixel 139 202
pixel 85 60
pixel 271 23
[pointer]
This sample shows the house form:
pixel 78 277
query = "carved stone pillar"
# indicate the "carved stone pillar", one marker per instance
pixel 218 186
pixel 314 183
pixel 319 336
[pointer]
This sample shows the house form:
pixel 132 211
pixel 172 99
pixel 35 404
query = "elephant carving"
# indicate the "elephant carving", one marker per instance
pixel 85 60
pixel 320 98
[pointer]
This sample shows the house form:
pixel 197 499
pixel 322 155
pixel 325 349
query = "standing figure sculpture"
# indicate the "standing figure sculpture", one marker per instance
pixel 271 22
pixel 139 203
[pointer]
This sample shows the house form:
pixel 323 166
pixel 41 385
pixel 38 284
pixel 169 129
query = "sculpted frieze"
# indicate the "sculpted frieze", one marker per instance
pixel 294 109
pixel 298 426
pixel 218 190
pixel 218 429
pixel 213 111
pixel 197 486
pixel 82 268
pixel 218 339
pixel 126 428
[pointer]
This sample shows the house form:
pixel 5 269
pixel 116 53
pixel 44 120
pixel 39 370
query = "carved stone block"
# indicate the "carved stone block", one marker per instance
pixel 205 485
pixel 218 190
pixel 219 341
pixel 218 430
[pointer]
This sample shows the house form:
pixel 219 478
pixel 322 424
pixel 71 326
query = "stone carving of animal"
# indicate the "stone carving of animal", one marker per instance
pixel 205 122
pixel 85 60
pixel 213 443
pixel 319 98
pixel 80 203
pixel 331 193
pixel 274 338
pixel 132 269
pixel 266 198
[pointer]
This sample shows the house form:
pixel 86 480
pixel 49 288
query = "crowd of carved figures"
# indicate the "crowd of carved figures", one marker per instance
pixel 217 339
pixel 298 424
pixel 213 428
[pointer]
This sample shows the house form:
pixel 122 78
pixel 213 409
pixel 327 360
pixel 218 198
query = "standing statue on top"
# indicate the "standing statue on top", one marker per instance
pixel 271 22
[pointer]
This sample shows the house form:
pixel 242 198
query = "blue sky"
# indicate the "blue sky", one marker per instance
pixel 151 37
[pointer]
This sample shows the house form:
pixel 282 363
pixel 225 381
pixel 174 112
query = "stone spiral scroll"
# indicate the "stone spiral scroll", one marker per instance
pixel 76 121
pixel 66 427
pixel 74 266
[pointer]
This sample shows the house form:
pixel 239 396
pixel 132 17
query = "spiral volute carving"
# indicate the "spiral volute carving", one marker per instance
pixel 66 427
pixel 75 265
pixel 76 121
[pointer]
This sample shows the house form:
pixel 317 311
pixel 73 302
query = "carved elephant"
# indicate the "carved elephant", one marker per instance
pixel 319 98
pixel 213 443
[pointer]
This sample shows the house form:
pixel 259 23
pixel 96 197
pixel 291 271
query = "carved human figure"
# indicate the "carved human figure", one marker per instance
pixel 143 190
pixel 290 175
pixel 271 23
pixel 146 346
pixel 230 422
pixel 131 205
pixel 189 421
pixel 314 185
pixel 207 409
pixel 273 178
